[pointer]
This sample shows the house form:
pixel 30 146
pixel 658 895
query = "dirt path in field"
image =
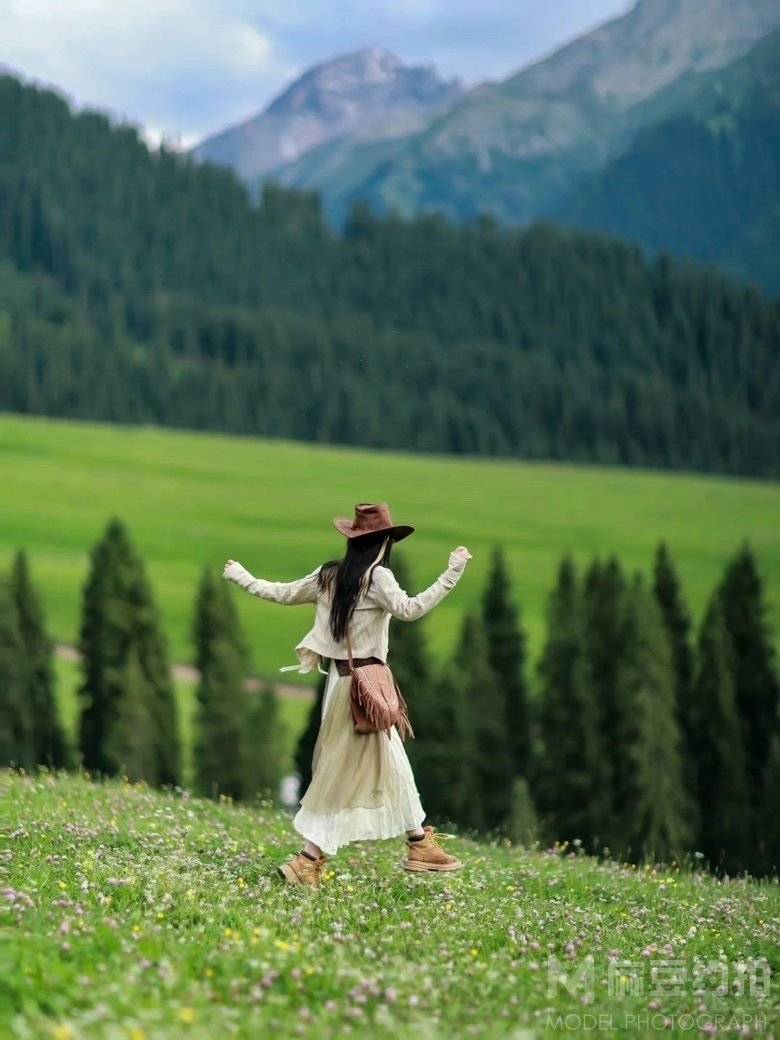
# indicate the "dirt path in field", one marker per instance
pixel 190 674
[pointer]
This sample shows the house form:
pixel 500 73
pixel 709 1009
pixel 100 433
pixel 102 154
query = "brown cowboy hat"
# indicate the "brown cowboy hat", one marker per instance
pixel 371 518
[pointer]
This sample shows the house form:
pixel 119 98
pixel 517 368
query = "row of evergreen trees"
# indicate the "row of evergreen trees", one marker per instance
pixel 128 721
pixel 636 741
pixel 678 745
pixel 138 287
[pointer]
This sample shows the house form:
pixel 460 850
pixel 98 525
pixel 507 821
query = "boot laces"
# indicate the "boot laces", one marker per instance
pixel 436 835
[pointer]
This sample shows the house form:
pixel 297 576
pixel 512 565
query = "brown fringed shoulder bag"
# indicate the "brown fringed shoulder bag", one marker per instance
pixel 376 699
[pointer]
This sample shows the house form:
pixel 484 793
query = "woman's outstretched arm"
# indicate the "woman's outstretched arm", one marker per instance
pixel 389 594
pixel 304 590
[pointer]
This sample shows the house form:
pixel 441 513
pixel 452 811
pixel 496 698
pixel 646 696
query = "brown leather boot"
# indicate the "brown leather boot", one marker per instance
pixel 302 870
pixel 427 853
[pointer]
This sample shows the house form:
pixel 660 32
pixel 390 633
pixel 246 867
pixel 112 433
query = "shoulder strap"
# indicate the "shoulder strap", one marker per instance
pixel 349 652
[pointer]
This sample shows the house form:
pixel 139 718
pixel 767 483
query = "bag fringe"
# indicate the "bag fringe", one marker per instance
pixel 381 717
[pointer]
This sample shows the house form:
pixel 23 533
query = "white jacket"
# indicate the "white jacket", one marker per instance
pixel 370 622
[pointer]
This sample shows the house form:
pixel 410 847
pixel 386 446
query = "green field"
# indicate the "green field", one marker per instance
pixel 194 499
pixel 135 915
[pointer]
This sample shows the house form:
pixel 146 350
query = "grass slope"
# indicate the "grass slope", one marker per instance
pixel 133 914
pixel 192 499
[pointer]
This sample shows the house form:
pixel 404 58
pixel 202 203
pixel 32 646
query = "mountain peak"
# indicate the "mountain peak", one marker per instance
pixel 353 77
pixel 367 93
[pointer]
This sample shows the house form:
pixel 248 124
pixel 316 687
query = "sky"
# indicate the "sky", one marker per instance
pixel 181 69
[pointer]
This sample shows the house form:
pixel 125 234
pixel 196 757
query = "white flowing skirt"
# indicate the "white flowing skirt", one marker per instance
pixel 362 785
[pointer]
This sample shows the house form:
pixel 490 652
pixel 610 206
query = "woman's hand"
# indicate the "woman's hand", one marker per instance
pixel 461 556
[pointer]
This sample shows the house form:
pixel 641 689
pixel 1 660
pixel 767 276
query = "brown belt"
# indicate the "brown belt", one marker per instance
pixel 343 666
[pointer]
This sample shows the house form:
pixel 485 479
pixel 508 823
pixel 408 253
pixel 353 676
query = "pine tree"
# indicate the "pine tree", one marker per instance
pixel 485 710
pixel 722 778
pixel 654 809
pixel 49 746
pixel 16 745
pixel 769 833
pixel 220 745
pixel 523 825
pixel 755 670
pixel 266 744
pixel 445 762
pixel 130 737
pixel 506 647
pixel 666 588
pixel 604 592
pixel 120 617
pixel 304 749
pixel 568 788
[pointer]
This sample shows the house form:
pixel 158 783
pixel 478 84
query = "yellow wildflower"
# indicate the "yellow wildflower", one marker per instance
pixel 186 1015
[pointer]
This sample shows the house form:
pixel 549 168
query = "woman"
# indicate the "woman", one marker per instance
pixel 362 784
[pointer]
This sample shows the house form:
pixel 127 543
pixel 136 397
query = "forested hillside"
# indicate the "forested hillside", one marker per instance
pixel 704 179
pixel 139 287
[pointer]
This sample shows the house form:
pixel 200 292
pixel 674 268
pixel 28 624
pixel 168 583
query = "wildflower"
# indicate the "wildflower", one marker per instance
pixel 63 1032
pixel 186 1016
pixel 136 1033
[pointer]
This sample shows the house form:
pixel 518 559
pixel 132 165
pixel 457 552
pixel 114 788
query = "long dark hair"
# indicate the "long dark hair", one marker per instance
pixel 346 578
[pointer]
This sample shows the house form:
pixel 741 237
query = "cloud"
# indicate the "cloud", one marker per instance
pixel 185 68
pixel 177 64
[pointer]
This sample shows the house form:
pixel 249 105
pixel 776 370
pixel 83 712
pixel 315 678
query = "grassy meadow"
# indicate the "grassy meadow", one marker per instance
pixel 195 499
pixel 135 915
